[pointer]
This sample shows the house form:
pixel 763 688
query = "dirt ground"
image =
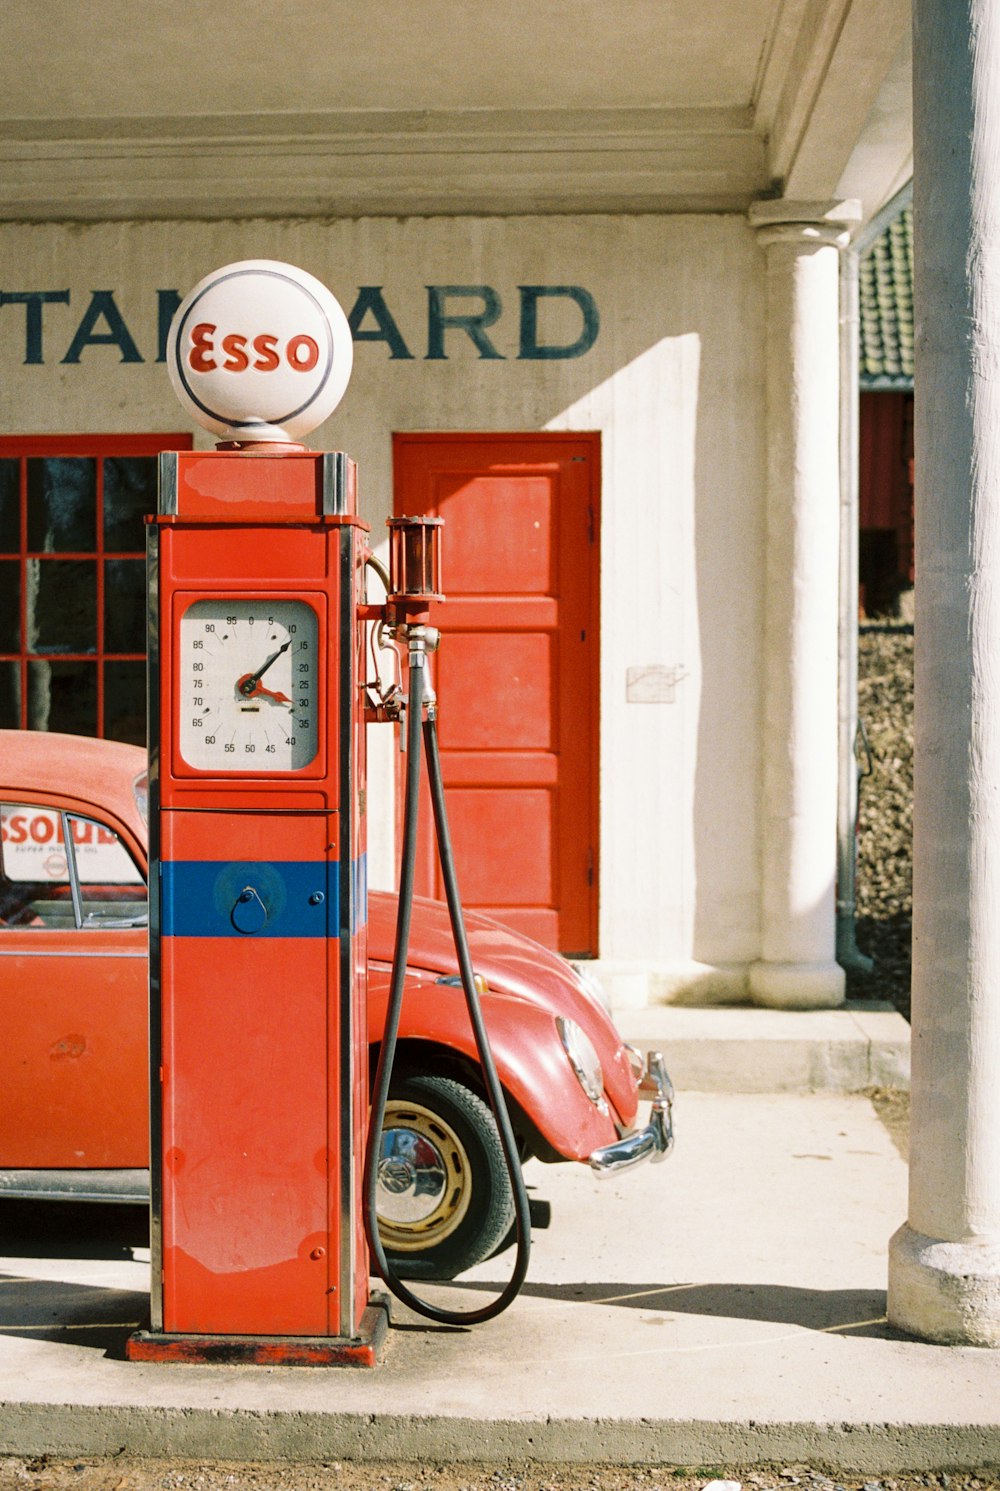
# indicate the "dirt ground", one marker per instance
pixel 125 1474
pixel 884 890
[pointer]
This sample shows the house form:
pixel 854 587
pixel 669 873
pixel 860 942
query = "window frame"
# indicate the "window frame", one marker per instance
pixel 98 448
pixel 83 921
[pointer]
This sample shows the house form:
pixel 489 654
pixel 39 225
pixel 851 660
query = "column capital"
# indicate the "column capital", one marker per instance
pixel 782 221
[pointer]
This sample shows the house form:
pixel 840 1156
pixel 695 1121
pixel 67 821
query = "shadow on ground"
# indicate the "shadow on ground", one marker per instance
pixel 102 1318
pixel 72 1314
pixel 42 1309
pixel 855 1312
pixel 71 1229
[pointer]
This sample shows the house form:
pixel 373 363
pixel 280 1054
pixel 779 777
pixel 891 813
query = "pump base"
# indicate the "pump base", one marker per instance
pixel 362 1350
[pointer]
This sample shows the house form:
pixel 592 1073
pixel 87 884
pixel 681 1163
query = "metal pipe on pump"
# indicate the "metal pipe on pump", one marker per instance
pixel 414 582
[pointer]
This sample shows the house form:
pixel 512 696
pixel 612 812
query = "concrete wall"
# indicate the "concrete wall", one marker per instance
pixel 674 382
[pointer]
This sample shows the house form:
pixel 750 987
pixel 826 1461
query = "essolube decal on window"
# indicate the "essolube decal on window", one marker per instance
pixel 34 848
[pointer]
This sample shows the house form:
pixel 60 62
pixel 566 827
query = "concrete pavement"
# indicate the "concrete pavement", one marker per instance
pixel 725 1306
pixel 745 1049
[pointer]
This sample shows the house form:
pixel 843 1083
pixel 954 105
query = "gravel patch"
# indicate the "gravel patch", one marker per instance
pixel 885 817
pixel 124 1473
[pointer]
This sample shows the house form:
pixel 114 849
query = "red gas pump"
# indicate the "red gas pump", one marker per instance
pixel 258 970
pixel 257 855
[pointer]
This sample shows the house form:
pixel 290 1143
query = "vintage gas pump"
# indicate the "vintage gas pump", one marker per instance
pixel 257 880
pixel 261 1190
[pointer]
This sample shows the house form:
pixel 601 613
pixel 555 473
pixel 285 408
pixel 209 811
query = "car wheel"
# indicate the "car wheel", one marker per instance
pixel 444 1196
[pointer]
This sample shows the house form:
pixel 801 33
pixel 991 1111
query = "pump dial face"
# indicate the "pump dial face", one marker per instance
pixel 249 684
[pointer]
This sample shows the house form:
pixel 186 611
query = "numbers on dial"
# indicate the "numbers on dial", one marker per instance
pixel 248 684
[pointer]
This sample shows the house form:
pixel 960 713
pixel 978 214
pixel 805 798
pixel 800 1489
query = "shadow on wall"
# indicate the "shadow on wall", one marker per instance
pixel 651 665
pixel 682 556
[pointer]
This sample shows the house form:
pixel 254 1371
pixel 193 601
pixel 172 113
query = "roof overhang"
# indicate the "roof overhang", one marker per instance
pixel 394 109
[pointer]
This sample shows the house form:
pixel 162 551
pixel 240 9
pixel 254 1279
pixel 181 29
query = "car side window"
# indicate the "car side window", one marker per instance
pixel 61 870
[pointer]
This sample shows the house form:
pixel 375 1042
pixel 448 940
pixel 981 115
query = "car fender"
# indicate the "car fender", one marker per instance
pixel 515 968
pixel 532 1066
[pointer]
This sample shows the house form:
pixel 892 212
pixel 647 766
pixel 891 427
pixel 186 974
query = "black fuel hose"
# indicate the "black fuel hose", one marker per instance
pixel 387 1053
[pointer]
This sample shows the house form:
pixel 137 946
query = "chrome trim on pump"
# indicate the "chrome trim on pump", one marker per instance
pixel 343 1269
pixel 335 491
pixel 167 495
pixel 167 483
pixel 656 1140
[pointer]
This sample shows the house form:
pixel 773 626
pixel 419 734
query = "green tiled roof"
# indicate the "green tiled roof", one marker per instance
pixel 886 293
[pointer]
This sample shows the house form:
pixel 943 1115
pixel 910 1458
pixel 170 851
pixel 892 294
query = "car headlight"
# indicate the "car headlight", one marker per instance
pixel 140 791
pixel 583 1059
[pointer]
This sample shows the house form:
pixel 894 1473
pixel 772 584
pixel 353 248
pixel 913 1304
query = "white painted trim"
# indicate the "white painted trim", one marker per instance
pixel 845 51
pixel 375 162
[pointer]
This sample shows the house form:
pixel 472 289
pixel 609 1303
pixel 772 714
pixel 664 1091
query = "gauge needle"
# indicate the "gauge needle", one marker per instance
pixel 258 691
pixel 250 685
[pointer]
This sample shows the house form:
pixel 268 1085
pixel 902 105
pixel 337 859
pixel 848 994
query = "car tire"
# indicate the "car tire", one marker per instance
pixel 444 1195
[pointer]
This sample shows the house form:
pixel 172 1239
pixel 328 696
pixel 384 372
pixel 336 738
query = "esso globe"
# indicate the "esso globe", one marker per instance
pixel 260 350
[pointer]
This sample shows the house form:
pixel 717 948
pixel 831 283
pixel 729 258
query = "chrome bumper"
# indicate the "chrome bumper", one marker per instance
pixel 656 1140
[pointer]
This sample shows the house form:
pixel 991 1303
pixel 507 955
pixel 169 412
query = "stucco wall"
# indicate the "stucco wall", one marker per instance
pixel 673 381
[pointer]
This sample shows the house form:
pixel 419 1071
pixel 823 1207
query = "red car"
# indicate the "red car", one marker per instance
pixel 74 1119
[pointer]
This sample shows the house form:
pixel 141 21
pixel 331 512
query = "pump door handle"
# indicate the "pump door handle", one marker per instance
pixel 249 914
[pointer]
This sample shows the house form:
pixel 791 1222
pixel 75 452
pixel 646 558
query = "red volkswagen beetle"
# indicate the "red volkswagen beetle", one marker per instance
pixel 73 1005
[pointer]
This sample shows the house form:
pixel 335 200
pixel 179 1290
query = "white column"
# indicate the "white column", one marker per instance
pixel 797 966
pixel 944 1263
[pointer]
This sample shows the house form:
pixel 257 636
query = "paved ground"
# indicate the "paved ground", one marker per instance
pixel 724 1307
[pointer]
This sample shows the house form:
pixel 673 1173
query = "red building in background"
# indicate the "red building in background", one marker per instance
pixel 886 420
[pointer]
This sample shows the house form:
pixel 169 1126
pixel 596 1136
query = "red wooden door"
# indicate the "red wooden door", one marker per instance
pixel 517 673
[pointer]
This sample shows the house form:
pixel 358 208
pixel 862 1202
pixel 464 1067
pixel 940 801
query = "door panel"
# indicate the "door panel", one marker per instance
pixel 520 667
pixel 75 1090
pixel 73 994
pixel 517 672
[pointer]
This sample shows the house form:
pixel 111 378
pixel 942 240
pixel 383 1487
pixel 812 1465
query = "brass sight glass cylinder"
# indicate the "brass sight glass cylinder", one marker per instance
pixel 414 562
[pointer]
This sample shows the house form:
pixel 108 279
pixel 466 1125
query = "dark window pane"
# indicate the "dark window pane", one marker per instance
pixel 10 605
pixel 129 492
pixel 62 605
pixel 10 696
pixel 63 696
pixel 10 506
pixel 62 503
pixel 125 605
pixel 125 702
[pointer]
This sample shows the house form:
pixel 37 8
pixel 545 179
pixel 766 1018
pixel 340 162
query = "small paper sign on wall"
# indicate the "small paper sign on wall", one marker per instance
pixel 653 684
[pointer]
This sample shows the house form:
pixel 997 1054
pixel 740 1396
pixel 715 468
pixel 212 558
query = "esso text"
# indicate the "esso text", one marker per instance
pixel 234 353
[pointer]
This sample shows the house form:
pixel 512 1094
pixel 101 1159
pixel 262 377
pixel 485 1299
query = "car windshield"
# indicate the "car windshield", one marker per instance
pixel 140 791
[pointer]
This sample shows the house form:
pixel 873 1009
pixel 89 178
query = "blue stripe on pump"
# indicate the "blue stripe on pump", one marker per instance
pixel 279 898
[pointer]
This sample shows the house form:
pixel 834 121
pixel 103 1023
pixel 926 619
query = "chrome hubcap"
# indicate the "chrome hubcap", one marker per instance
pixel 411 1177
pixel 424 1182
